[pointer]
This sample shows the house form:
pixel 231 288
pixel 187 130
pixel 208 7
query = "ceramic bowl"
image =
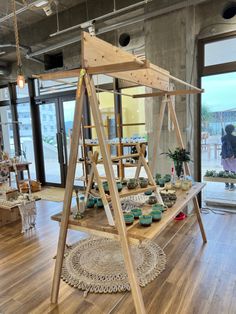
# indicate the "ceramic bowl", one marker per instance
pixel 185 186
pixel 152 200
pixel 119 186
pixel 167 177
pixel 136 212
pixel 168 186
pixel 141 178
pixel 156 214
pixel 129 218
pixel 143 183
pixel 158 207
pixel 90 203
pixel 132 184
pixel 169 204
pixel 161 182
pixel 124 182
pixel 149 192
pixel 178 184
pixel 99 203
pixel 145 220
pixel 105 187
pixel 172 197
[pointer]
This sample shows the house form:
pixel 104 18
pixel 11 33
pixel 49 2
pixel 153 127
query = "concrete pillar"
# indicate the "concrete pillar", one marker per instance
pixel 166 47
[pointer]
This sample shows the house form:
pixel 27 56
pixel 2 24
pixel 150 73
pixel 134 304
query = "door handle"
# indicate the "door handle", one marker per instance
pixel 60 148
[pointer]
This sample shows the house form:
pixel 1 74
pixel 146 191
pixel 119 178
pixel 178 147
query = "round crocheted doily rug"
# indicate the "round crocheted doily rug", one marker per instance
pixel 97 265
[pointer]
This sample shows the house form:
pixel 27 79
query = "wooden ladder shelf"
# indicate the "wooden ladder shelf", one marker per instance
pixel 99 57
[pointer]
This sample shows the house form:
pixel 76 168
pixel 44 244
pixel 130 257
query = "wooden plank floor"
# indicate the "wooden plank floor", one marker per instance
pixel 198 278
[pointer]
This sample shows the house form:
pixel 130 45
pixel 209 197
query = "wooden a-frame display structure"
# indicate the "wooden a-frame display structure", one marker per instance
pixel 99 57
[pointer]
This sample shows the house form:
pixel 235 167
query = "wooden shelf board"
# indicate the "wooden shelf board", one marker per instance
pixel 95 220
pixel 219 179
pixel 116 144
pixel 126 192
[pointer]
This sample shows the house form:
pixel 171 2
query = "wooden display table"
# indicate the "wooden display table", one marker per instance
pixel 95 221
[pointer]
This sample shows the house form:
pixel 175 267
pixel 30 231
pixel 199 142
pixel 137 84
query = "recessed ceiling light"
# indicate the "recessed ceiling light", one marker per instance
pixel 2 53
pixel 229 10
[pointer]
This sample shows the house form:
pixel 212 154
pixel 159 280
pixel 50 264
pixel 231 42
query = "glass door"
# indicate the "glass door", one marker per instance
pixel 68 108
pixel 52 138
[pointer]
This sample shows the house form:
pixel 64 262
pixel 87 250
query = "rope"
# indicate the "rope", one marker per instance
pixel 19 63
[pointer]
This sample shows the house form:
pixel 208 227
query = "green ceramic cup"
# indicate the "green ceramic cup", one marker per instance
pixel 145 220
pixel 161 182
pixel 129 218
pixel 90 202
pixel 99 203
pixel 156 214
pixel 158 207
pixel 136 212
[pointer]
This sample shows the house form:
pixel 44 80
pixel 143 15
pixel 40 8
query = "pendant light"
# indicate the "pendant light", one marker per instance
pixel 20 75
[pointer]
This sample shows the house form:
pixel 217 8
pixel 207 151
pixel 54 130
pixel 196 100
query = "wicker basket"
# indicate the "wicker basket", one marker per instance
pixel 35 186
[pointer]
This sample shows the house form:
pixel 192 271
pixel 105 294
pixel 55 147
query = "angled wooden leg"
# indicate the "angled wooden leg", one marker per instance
pixel 120 224
pixel 69 188
pixel 199 219
pixel 138 169
pixel 101 189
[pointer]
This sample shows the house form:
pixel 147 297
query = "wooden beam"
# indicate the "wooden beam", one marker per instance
pixel 170 93
pixel 116 67
pixel 145 77
pixel 58 74
pixel 96 52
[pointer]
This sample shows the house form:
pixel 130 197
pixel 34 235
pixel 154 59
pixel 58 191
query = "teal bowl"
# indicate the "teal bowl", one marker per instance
pixel 136 212
pixel 149 192
pixel 128 218
pixel 99 203
pixel 156 214
pixel 145 220
pixel 161 182
pixel 90 203
pixel 158 207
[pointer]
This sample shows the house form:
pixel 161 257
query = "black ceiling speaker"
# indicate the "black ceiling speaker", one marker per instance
pixel 124 39
pixel 229 10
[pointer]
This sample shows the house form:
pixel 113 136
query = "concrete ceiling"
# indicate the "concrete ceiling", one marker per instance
pixel 31 15
pixel 35 28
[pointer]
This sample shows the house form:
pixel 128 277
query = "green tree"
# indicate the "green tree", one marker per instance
pixel 206 116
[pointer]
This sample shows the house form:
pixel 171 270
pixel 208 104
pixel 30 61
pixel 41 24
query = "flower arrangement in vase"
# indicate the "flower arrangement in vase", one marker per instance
pixel 179 156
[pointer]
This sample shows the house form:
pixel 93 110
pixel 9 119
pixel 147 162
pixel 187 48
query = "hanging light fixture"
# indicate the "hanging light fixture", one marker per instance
pixel 20 75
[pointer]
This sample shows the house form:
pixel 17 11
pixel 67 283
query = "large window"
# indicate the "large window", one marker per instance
pixel 6 129
pixel 218 108
pixel 219 52
pixel 26 136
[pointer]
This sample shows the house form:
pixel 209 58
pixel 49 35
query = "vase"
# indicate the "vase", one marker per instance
pixel 178 167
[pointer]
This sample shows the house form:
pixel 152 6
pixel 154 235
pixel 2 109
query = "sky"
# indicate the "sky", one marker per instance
pixel 220 92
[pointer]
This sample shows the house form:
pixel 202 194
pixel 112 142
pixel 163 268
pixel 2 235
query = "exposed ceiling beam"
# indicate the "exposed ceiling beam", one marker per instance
pixel 140 18
pixel 21 10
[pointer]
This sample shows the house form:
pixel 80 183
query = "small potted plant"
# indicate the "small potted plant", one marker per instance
pixel 179 156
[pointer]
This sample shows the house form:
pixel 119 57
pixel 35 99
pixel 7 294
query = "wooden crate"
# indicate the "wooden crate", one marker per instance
pixel 9 215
